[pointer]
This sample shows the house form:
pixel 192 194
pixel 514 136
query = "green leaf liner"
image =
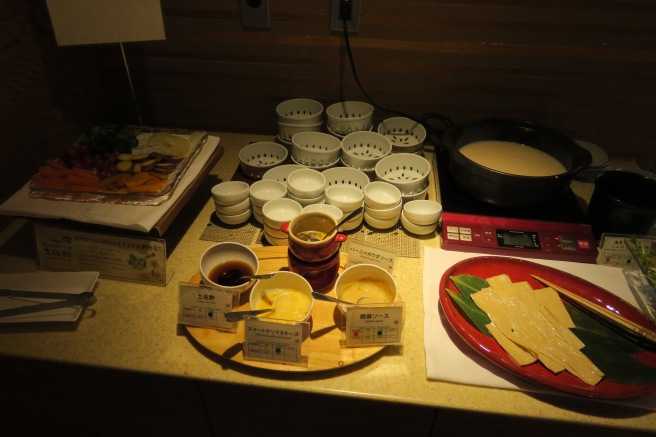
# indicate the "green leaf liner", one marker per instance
pixel 612 353
pixel 467 285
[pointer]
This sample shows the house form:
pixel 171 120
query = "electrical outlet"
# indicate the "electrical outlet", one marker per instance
pixel 352 25
pixel 255 14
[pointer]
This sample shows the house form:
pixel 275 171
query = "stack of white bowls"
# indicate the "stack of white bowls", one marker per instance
pixel 298 115
pixel 233 206
pixel 382 205
pixel 306 186
pixel 348 199
pixel 421 217
pixel 261 192
pixel 275 213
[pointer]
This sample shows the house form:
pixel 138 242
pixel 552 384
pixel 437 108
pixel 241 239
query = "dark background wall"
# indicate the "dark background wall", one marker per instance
pixel 587 68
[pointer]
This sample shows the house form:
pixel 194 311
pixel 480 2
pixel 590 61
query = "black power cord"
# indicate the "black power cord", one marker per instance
pixel 344 15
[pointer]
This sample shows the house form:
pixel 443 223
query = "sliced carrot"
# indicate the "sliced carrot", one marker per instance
pixel 75 179
pixel 56 165
pixel 84 173
pixel 52 172
pixel 49 183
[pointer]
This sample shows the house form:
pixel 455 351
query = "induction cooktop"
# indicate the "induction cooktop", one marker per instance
pixel 556 230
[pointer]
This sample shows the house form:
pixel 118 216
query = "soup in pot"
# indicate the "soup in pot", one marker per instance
pixel 513 158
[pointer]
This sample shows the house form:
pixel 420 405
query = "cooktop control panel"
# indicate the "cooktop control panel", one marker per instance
pixel 518 237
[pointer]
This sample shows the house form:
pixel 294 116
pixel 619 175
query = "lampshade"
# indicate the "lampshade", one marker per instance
pixel 105 21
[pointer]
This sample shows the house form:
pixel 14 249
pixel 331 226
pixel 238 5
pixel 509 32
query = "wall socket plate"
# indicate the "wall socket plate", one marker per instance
pixel 353 25
pixel 255 14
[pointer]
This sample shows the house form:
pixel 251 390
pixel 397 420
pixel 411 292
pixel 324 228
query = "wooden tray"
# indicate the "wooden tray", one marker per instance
pixel 326 352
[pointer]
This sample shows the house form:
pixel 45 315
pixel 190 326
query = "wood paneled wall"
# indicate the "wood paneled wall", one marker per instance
pixel 587 68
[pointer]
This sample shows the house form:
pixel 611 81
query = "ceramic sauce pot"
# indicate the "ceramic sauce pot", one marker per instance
pixel 307 236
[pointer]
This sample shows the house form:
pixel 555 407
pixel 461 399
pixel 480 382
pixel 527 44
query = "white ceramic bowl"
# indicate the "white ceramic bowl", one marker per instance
pixel 405 198
pixel 295 306
pixel 415 228
pixel 345 117
pixel 331 210
pixel 258 216
pixel 407 171
pixel 237 208
pixel 256 158
pixel 346 176
pixel 422 212
pixel 344 197
pixel 299 111
pixel 230 192
pixel 318 167
pixel 279 211
pixel 276 241
pixel 221 256
pixel 380 223
pixel 368 281
pixel 362 150
pixel 406 135
pixel 384 214
pixel 281 172
pixel 308 201
pixel 354 222
pixel 315 149
pixel 262 191
pixel 381 195
pixel 286 131
pixel 306 183
pixel 274 232
pixel 235 219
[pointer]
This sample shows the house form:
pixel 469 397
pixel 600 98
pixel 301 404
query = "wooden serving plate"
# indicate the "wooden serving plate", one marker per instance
pixel 326 352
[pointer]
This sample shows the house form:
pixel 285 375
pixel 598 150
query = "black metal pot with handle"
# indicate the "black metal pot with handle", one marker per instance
pixel 506 189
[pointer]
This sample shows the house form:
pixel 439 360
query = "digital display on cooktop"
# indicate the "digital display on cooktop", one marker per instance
pixel 566 209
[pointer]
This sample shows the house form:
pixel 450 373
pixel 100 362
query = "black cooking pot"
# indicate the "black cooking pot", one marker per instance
pixel 505 189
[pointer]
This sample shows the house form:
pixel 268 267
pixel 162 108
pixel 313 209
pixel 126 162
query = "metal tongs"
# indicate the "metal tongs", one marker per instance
pixel 66 300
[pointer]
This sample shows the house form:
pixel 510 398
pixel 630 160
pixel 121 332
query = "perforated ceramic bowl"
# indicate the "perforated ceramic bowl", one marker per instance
pixel 346 176
pixel 349 116
pixel 363 150
pixel 287 130
pixel 315 149
pixel 406 135
pixel 299 111
pixel 407 171
pixel 256 158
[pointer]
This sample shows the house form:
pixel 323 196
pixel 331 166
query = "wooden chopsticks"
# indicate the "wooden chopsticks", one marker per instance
pixel 643 332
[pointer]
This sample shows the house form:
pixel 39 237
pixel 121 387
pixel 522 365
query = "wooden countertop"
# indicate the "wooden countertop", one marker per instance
pixel 133 327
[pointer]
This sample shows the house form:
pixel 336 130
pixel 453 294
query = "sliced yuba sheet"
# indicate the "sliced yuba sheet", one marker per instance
pixel 529 325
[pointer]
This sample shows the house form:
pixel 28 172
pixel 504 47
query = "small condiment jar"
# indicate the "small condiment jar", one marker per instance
pixel 318 223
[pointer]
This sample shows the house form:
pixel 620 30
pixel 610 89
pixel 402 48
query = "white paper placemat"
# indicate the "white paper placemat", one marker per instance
pixel 138 218
pixel 449 358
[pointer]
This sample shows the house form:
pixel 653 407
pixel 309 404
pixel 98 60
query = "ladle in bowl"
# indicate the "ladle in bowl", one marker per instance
pixel 233 276
pixel 236 316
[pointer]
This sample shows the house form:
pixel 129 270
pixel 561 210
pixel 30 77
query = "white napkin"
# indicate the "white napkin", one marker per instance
pixel 449 358
pixel 138 218
pixel 55 282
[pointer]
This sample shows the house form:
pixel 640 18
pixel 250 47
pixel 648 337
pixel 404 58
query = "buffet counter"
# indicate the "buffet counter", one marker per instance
pixel 132 329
